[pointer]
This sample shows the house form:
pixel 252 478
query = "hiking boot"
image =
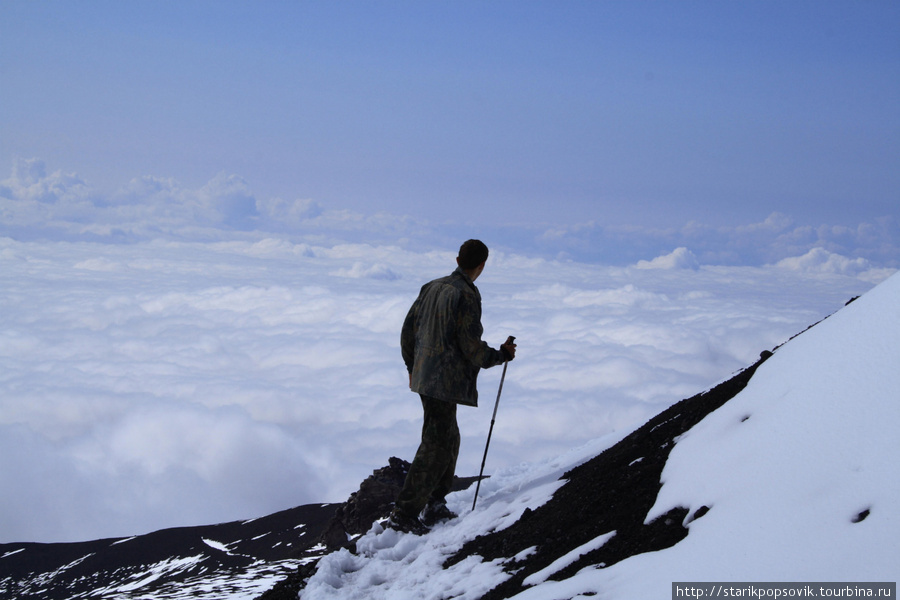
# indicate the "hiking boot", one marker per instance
pixel 435 512
pixel 406 524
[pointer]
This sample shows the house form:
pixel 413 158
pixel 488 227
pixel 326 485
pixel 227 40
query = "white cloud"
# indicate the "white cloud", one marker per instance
pixel 680 258
pixel 376 271
pixel 821 261
pixel 775 238
pixel 227 199
pixel 31 198
pixel 775 223
pixel 30 182
pixel 292 212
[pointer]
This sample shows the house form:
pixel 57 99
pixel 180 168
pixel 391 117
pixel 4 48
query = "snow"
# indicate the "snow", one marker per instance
pixel 244 585
pixel 122 541
pixel 786 468
pixel 217 545
pixel 567 559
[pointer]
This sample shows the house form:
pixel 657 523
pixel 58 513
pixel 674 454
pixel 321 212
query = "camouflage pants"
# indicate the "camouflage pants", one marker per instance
pixel 430 476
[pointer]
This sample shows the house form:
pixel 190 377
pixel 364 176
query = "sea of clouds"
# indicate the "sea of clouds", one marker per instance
pixel 180 356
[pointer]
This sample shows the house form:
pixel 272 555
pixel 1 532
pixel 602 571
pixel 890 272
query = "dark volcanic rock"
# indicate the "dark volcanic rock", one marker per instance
pixel 374 500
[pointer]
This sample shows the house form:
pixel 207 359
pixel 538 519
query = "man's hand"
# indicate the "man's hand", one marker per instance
pixel 509 348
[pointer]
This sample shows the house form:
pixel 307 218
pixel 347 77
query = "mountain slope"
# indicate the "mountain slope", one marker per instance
pixel 612 492
pixel 236 560
pixel 784 473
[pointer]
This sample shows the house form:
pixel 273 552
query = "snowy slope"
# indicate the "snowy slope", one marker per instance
pixel 797 472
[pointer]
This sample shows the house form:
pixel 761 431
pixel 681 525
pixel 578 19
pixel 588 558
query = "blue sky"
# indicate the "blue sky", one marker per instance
pixel 538 114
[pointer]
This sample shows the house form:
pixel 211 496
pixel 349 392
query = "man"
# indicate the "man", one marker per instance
pixel 443 351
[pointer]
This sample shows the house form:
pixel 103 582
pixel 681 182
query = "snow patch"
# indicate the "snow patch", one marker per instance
pixel 217 545
pixel 567 559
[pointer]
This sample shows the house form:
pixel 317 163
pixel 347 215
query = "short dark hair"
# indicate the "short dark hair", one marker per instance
pixel 472 253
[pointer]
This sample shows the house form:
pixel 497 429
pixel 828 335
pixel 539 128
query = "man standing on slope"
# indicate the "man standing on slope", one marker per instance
pixel 443 351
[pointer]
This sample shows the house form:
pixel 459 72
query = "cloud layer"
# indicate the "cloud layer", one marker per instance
pixel 166 383
pixel 36 203
pixel 173 355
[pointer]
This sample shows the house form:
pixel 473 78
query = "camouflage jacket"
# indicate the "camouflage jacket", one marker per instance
pixel 441 340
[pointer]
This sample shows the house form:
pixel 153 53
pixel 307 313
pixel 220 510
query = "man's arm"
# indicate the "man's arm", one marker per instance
pixel 408 338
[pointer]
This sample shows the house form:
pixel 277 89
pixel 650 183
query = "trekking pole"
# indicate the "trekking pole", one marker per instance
pixel 509 340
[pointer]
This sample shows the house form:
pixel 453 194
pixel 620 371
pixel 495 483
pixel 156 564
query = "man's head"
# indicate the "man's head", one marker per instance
pixel 472 256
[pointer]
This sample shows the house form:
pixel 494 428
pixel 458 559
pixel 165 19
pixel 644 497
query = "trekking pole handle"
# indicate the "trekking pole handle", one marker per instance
pixel 510 340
